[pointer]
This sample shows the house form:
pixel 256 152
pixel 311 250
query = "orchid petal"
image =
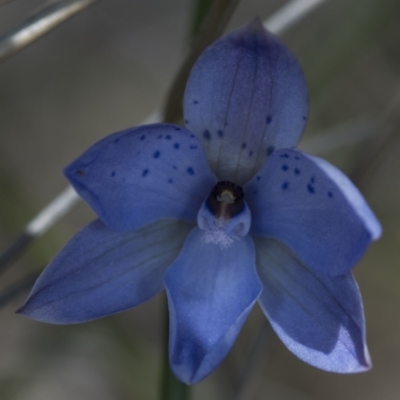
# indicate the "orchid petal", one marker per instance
pixel 319 318
pixel 210 293
pixel 246 97
pixel 101 272
pixel 314 209
pixel 140 175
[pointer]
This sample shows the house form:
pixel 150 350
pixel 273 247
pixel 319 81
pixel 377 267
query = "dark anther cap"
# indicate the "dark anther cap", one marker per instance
pixel 225 200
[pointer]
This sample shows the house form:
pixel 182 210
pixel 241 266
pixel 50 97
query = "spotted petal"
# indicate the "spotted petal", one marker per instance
pixel 246 95
pixel 319 318
pixel 210 293
pixel 101 272
pixel 140 175
pixel 314 209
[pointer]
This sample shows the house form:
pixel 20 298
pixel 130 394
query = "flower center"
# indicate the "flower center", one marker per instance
pixel 225 200
pixel 224 215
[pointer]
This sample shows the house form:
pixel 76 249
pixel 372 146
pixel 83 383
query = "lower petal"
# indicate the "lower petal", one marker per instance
pixel 319 318
pixel 101 272
pixel 210 293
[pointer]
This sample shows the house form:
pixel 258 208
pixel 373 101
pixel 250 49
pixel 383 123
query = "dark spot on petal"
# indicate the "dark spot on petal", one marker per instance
pixel 143 137
pixel 156 154
pixel 159 137
pixel 186 121
pixel 177 128
pixel 258 177
pixel 330 194
pixel 285 185
pixel 190 171
pixel 80 172
pixel 269 119
pixel 285 167
pixel 304 117
pixel 145 172
pixel 310 188
pixel 312 180
pixel 192 136
pixel 220 133
pixel 170 180
pixel 284 155
pixel 297 158
pixel 193 147
pixel 250 153
pixel 244 145
pixel 113 173
pixel 297 171
pixel 195 102
pixel 207 134
pixel 174 167
pixel 176 145
pixel 116 140
pixel 270 150
pixel 168 137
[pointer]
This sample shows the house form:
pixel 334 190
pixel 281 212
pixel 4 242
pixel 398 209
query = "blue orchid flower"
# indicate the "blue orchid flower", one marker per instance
pixel 222 213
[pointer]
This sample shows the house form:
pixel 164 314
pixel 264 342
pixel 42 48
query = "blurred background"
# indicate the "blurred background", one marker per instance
pixel 110 67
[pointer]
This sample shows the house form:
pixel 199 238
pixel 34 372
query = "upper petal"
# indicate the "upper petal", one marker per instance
pixel 101 272
pixel 210 293
pixel 246 96
pixel 139 175
pixel 314 209
pixel 319 318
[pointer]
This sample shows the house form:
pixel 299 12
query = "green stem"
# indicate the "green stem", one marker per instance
pixel 211 29
pixel 202 8
pixel 210 21
pixel 171 388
